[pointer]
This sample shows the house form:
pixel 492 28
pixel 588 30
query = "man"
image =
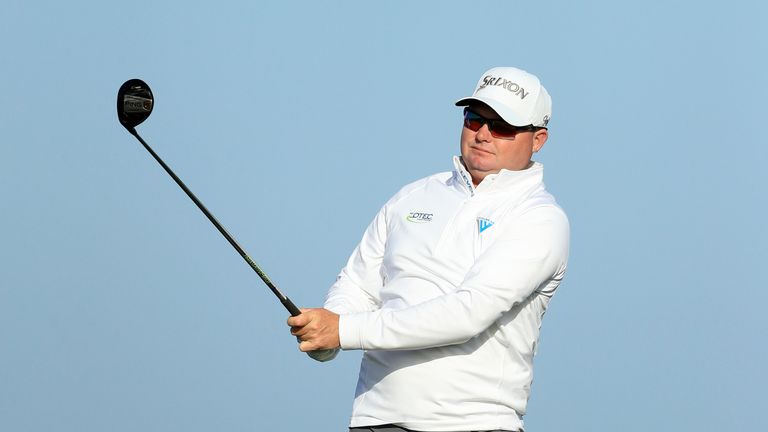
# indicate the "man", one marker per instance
pixel 447 289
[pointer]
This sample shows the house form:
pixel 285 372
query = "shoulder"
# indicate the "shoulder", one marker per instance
pixel 541 205
pixel 540 216
pixel 549 217
pixel 440 180
pixel 546 229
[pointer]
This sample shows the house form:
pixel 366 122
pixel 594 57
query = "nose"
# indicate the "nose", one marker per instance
pixel 484 133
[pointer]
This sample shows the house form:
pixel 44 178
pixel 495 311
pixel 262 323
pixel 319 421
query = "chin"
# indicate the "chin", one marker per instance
pixel 481 162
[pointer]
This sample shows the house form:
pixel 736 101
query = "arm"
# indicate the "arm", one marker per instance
pixel 532 252
pixel 357 287
pixel 356 290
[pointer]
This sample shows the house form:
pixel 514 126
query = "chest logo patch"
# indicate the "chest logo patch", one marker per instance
pixel 483 224
pixel 419 217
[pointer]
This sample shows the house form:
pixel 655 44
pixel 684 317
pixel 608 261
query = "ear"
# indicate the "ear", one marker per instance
pixel 539 138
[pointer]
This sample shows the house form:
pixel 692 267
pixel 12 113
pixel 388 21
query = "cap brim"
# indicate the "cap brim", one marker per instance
pixel 509 116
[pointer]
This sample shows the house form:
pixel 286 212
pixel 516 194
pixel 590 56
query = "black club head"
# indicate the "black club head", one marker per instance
pixel 134 103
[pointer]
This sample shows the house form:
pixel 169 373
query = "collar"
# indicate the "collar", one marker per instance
pixel 504 181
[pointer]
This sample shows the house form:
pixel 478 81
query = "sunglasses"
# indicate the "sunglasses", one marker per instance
pixel 498 128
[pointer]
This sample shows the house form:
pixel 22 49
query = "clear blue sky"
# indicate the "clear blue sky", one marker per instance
pixel 123 310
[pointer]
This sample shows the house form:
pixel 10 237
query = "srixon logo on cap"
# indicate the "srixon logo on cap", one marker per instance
pixel 505 83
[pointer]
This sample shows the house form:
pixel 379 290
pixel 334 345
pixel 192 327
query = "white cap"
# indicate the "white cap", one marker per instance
pixel 516 95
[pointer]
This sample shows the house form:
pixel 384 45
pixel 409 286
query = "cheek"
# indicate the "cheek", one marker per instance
pixel 466 135
pixel 466 139
pixel 517 155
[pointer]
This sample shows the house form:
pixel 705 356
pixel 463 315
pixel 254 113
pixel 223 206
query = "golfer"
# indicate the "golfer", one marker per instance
pixel 446 291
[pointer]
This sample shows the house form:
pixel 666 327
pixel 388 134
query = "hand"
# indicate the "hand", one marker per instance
pixel 316 329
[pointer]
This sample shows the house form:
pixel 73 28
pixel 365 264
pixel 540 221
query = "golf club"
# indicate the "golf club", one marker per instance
pixel 134 105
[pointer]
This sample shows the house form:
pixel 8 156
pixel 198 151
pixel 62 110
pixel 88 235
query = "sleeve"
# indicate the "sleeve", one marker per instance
pixel 530 255
pixel 357 287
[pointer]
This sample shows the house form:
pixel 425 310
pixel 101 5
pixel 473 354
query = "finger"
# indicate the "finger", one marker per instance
pixel 305 346
pixel 298 321
pixel 299 331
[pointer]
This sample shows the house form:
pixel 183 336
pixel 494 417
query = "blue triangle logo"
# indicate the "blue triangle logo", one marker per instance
pixel 483 224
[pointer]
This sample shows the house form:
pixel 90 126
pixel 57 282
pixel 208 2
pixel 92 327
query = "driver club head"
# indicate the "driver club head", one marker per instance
pixel 134 103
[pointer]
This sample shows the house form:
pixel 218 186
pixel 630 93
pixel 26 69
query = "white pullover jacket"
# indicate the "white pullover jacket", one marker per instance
pixel 446 293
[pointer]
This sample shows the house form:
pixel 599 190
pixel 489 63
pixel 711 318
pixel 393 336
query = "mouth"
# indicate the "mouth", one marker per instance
pixel 481 150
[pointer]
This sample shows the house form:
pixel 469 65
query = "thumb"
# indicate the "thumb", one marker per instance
pixel 298 321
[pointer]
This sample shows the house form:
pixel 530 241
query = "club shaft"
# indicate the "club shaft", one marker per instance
pixel 294 311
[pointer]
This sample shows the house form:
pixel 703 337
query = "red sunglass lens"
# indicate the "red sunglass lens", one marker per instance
pixel 500 130
pixel 473 124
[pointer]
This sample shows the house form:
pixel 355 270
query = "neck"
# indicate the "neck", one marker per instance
pixel 479 176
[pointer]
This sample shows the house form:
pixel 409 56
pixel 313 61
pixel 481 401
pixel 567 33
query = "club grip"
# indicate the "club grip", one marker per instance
pixel 290 306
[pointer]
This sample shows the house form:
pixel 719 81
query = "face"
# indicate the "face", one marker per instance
pixel 483 154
